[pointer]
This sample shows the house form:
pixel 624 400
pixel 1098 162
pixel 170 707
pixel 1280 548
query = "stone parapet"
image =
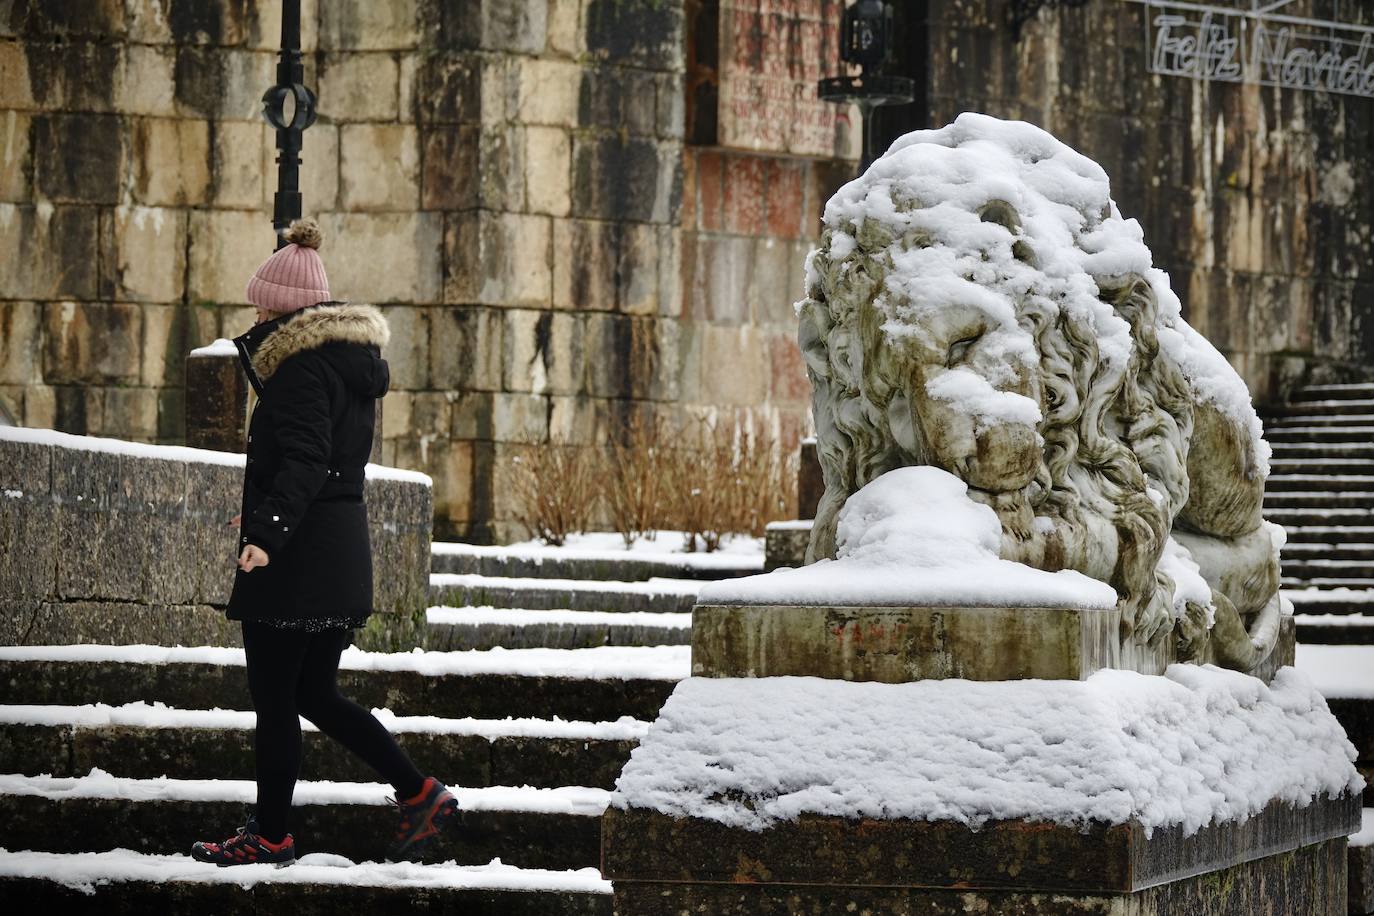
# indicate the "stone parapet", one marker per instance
pixel 103 540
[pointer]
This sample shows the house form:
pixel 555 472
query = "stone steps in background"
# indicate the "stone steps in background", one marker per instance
pixel 1351 391
pixel 1335 629
pixel 1323 518
pixel 1324 482
pixel 1354 500
pixel 578 686
pixel 1329 534
pixel 554 829
pixel 1360 406
pixel 596 565
pixel 1302 450
pixel 450 628
pixel 1319 418
pixel 1322 435
pixel 659 596
pixel 65 741
pixel 1328 468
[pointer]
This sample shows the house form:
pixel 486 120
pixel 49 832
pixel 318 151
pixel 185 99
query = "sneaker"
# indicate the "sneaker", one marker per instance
pixel 247 848
pixel 421 818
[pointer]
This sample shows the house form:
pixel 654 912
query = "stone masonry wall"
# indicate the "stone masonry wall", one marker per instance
pixel 110 542
pixel 509 179
pixel 1256 200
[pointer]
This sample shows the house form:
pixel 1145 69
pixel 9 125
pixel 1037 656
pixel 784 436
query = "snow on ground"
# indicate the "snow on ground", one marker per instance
pixel 157 715
pixel 735 550
pixel 1356 621
pixel 100 784
pixel 914 537
pixel 1197 745
pixel 514 617
pixel 170 452
pixel 654 586
pixel 602 662
pixel 1366 835
pixel 86 871
pixel 1344 672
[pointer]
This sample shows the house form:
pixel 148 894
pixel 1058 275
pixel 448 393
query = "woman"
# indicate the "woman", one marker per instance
pixel 304 577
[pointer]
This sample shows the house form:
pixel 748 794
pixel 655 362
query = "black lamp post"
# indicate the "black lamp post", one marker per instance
pixel 286 203
pixel 866 35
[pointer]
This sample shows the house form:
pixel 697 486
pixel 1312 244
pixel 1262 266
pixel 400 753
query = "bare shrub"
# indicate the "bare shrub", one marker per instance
pixel 555 491
pixel 634 472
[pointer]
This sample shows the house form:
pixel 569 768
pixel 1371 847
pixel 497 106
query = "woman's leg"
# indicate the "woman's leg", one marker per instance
pixel 319 700
pixel 274 658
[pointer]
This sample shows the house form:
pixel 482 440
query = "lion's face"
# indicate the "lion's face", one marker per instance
pixel 974 402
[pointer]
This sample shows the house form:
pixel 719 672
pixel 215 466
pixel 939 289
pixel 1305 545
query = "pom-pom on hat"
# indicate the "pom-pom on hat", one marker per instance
pixel 293 277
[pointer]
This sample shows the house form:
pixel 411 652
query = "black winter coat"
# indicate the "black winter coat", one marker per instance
pixel 318 373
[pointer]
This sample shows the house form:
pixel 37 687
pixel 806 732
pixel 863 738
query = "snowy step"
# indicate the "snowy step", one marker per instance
pixel 1349 391
pixel 1307 499
pixel 1330 600
pixel 1345 677
pixel 487 627
pixel 1317 552
pixel 531 828
pixel 1326 535
pixel 122 881
pixel 1326 582
pixel 660 596
pixel 1321 407
pixel 600 684
pixel 605 562
pixel 1331 451
pixel 1335 629
pixel 143 741
pixel 1320 517
pixel 1325 483
pixel 1291 421
pixel 1295 568
pixel 1322 467
pixel 1345 433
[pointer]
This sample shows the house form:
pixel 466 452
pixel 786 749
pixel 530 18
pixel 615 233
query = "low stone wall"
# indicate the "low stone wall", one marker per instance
pixel 109 541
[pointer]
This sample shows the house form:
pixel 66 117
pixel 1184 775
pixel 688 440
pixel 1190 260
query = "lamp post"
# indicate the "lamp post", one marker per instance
pixel 290 108
pixel 866 34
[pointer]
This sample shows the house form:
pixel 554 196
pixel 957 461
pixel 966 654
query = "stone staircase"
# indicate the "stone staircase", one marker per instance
pixel 1321 489
pixel 549 669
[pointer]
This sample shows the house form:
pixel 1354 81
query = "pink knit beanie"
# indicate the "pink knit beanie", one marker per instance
pixel 293 277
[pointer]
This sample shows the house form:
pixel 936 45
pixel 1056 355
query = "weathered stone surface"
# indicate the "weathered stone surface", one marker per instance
pixel 144 81
pixel 642 33
pixel 16 160
pixel 895 645
pixel 407 243
pixel 1308 880
pixel 78 157
pixel 86 342
pixel 49 623
pixel 545 91
pixel 21 326
pixel 149 257
pixel 240 168
pixel 225 83
pixel 645 846
pixel 465 349
pixel 494 25
pixel 216 402
pixel 548 152
pixel 629 179
pixel 379 167
pixel 226 247
pixel 605 266
pixel 1360 862
pixel 497 259
pixel 319 167
pixel 360 87
pixel 785 546
pixel 452 162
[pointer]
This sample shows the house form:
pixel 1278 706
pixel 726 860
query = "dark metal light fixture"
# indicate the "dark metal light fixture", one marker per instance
pixel 866 36
pixel 290 88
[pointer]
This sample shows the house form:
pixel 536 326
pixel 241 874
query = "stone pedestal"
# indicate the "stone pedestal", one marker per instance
pixel 216 400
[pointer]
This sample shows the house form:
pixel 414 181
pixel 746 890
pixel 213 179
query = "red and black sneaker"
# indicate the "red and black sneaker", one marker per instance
pixel 247 848
pixel 421 818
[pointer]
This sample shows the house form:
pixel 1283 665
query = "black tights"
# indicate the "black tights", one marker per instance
pixel 292 674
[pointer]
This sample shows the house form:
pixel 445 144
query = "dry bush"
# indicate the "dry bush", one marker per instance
pixel 556 491
pixel 634 472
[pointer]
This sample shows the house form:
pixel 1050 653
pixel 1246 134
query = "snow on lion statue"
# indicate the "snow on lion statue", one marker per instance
pixel 979 304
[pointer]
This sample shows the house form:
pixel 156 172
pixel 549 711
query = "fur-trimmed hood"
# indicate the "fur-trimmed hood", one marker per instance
pixel 266 346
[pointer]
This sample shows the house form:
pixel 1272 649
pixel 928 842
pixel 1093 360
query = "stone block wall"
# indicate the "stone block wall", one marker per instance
pixel 106 541
pixel 1257 200
pixel 510 180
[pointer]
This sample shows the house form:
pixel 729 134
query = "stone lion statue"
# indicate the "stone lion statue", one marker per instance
pixel 978 303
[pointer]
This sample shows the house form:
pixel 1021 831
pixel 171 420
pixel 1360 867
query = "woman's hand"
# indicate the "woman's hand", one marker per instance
pixel 236 520
pixel 252 557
